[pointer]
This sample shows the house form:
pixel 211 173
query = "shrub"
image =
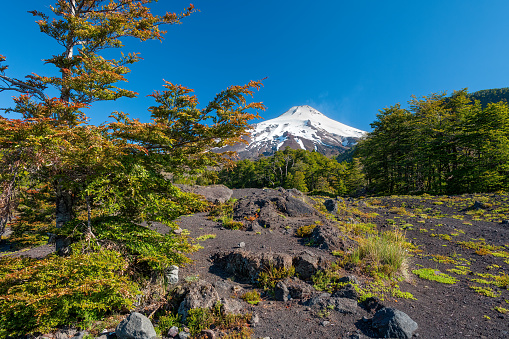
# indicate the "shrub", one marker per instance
pixel 148 247
pixel 199 319
pixel 231 224
pixel 268 278
pixel 305 231
pixel 252 297
pixel 40 295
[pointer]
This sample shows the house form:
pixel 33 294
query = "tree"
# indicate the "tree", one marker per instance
pixel 54 143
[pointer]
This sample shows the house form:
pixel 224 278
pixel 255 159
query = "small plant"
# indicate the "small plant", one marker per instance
pixel 167 321
pixel 199 319
pixel 305 231
pixel 486 291
pixel 231 224
pixel 192 278
pixel 205 237
pixel 434 275
pixel 252 297
pixel 270 276
pixel 500 309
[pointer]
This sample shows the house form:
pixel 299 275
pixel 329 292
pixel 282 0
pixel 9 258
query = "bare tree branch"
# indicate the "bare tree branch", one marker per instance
pixel 20 86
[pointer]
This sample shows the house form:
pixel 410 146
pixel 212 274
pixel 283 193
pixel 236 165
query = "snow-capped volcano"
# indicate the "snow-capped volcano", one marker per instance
pixel 301 127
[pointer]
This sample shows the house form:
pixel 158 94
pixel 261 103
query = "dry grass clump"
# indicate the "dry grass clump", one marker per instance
pixel 383 254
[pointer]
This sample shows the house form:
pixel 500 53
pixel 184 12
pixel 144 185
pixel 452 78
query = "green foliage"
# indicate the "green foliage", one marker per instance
pixel 305 231
pixel 486 291
pixel 147 247
pixel 440 145
pixel 40 295
pixel 205 237
pixel 270 276
pixel 167 321
pixel 327 280
pixel 199 319
pixel 304 170
pixel 500 309
pixel 434 275
pixel 252 297
pixel 224 214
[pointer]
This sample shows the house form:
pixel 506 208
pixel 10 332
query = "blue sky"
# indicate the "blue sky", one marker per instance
pixel 347 59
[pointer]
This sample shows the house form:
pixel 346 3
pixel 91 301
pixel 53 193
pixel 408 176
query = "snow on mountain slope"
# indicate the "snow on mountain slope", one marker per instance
pixel 301 127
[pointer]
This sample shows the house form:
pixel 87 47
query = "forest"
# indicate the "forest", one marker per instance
pixel 439 145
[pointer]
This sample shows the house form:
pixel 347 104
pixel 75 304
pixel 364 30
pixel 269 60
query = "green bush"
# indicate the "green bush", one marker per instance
pixel 252 297
pixel 305 231
pixel 146 246
pixel 40 295
pixel 268 278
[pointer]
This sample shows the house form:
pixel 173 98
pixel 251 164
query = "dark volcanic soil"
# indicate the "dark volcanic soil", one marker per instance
pixel 441 310
pixel 435 225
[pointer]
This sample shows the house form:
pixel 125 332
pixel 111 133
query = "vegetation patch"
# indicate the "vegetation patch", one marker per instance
pixel 269 277
pixel 40 295
pixel 205 237
pixel 252 297
pixel 305 231
pixel 385 253
pixel 199 319
pixel 434 275
pixel 486 291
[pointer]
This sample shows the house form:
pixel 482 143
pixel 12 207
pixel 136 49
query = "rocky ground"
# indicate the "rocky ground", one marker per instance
pixel 464 237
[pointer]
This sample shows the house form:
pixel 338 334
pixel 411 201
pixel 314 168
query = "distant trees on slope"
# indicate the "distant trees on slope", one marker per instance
pixel 304 170
pixel 440 145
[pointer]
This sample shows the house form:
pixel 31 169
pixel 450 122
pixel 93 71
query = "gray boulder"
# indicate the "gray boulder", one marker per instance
pixel 135 326
pixel 247 265
pixel 326 301
pixel 298 289
pixel 281 292
pixel 392 323
pixel 348 292
pixel 172 274
pixel 200 294
pixel 306 265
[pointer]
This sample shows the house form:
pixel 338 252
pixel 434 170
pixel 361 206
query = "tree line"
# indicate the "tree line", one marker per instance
pixel 439 145
pixel 289 168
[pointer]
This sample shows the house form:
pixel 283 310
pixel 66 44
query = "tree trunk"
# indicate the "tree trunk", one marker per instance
pixel 64 206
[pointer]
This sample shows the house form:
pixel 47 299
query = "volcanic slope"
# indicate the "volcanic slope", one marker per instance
pixel 301 127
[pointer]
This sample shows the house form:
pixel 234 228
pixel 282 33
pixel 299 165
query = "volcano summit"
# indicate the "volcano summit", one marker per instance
pixel 301 127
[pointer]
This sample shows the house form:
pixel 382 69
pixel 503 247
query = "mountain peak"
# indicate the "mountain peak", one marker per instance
pixel 301 127
pixel 302 112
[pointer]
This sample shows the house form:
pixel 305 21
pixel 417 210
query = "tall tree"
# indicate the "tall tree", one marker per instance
pixel 53 142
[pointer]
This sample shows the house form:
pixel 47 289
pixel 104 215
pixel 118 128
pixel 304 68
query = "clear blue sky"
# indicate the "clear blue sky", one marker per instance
pixel 347 59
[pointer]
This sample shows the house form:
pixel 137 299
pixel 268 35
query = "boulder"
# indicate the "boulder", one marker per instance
pixel 172 274
pixel 326 301
pixel 330 238
pixel 306 265
pixel 247 265
pixel 135 326
pixel 173 332
pixel 199 294
pixel 348 292
pixel 392 323
pixel 281 292
pixel 298 289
